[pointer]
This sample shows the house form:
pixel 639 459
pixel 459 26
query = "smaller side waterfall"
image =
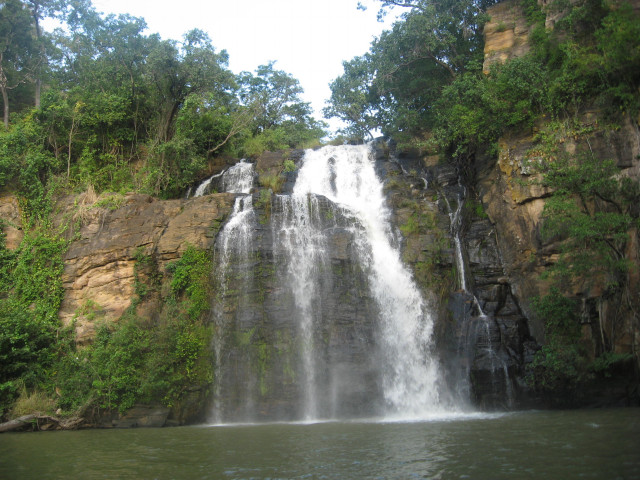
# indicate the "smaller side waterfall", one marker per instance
pixel 236 179
pixel 455 218
pixel 234 245
pixel 239 178
pixel 481 354
pixel 203 188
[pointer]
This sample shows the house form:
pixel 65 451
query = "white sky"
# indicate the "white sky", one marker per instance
pixel 307 38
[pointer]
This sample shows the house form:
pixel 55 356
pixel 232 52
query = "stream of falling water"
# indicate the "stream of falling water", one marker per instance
pixel 235 242
pixel 296 231
pixel 346 176
pixel 484 329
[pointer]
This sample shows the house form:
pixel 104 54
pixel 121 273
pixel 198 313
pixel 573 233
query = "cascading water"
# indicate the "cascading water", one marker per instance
pixel 204 186
pixel 346 176
pixel 481 340
pixel 239 178
pixel 234 246
pixel 341 334
pixel 455 218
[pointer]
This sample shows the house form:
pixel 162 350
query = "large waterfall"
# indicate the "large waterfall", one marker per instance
pixel 317 316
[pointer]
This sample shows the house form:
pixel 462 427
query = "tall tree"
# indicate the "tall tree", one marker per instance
pixel 431 44
pixel 18 53
pixel 281 118
pixel 351 97
pixel 41 9
pixel 178 72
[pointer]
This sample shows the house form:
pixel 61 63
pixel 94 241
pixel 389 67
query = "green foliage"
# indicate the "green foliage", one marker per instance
pixel 590 209
pixel 560 316
pixel 589 215
pixel 30 296
pixel 558 368
pixel 288 166
pixel 125 111
pixel 116 360
pixel 272 182
pixel 137 361
pixel 476 208
pixel 191 278
pixel 171 167
pixel 560 365
pixel 475 109
pixel 264 202
pixel 608 361
pixel 396 84
pixel 424 76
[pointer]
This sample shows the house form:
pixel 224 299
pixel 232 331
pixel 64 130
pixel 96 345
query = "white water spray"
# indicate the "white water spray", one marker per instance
pixel 239 178
pixel 346 176
pixel 235 242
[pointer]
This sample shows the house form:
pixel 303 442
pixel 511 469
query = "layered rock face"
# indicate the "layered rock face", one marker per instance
pixel 506 34
pixel 515 205
pixel 514 201
pixel 99 275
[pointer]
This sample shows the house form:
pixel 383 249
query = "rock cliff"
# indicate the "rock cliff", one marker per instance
pixel 109 233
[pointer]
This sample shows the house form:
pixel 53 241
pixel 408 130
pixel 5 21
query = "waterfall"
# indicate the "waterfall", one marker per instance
pixel 480 344
pixel 234 246
pixel 455 218
pixel 239 178
pixel 204 186
pixel 346 176
pixel 298 231
pixel 322 333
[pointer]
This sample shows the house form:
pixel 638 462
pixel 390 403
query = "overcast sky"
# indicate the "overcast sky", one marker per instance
pixel 307 38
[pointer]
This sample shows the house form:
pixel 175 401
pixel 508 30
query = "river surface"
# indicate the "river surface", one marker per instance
pixel 584 444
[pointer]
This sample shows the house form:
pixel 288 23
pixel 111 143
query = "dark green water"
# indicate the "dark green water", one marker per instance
pixel 586 444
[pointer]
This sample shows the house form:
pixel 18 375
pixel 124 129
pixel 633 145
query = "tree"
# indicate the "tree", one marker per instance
pixel 281 119
pixel 432 44
pixel 275 93
pixel 351 99
pixel 18 59
pixel 41 9
pixel 177 73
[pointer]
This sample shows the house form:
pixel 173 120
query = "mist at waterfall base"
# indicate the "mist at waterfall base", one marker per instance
pixel 335 219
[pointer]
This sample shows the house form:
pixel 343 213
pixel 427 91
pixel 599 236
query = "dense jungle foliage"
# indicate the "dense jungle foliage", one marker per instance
pixel 100 103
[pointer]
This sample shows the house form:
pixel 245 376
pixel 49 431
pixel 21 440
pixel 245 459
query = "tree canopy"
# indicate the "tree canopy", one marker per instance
pixel 104 102
pixel 422 81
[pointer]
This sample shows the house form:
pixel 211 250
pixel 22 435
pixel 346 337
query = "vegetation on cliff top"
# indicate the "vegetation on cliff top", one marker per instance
pixel 101 102
pixel 422 82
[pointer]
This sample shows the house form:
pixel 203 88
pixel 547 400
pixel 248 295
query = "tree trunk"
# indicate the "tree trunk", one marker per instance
pixel 38 88
pixel 36 19
pixel 16 423
pixel 5 101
